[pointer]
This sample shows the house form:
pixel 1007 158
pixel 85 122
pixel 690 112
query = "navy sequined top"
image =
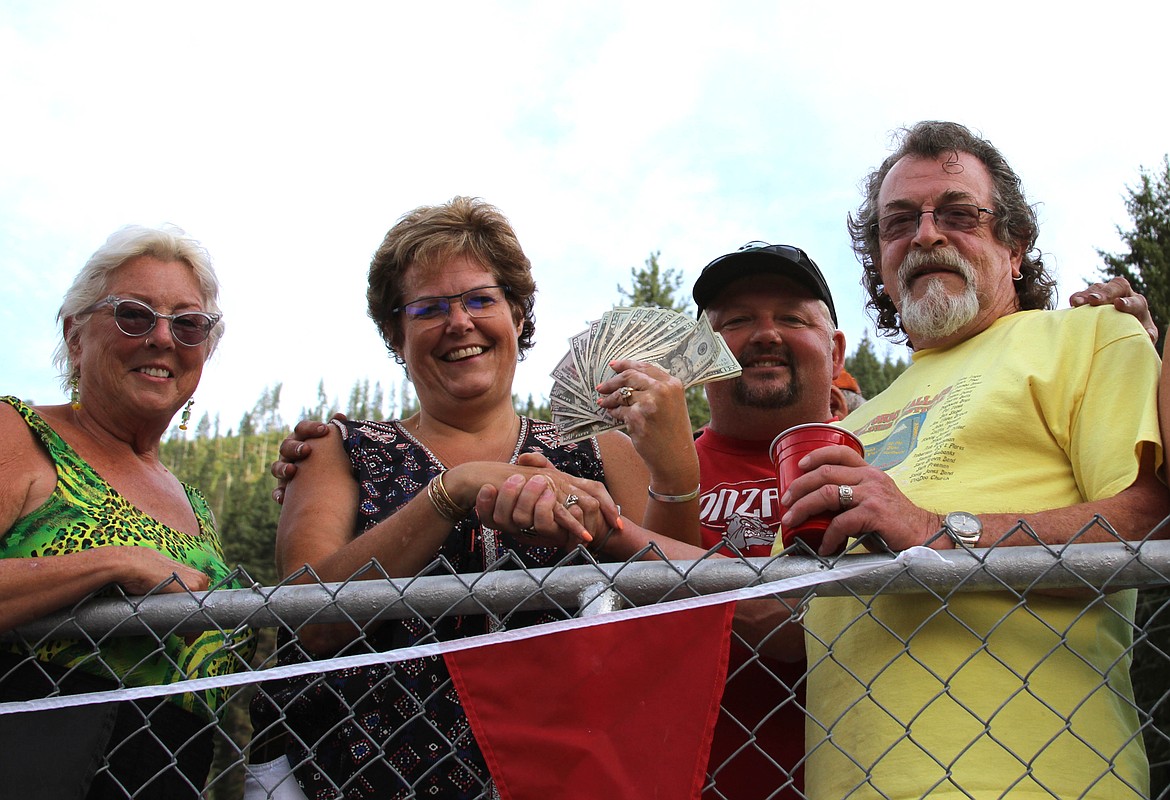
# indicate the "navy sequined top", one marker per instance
pixel 391 731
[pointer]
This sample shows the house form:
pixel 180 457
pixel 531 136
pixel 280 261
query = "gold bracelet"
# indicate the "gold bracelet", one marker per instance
pixel 448 509
pixel 673 498
pixel 441 491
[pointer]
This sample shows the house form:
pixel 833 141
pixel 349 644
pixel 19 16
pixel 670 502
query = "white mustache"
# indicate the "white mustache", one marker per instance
pixel 942 256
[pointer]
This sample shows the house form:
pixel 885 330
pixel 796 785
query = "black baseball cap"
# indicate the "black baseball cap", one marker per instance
pixel 756 257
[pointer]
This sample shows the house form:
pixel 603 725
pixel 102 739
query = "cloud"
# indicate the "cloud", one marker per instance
pixel 289 137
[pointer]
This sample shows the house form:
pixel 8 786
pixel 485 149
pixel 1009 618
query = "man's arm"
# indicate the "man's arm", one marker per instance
pixel 1133 512
pixel 766 624
pixel 880 506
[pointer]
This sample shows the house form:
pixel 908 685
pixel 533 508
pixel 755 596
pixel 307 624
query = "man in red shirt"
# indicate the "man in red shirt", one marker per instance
pixel 773 307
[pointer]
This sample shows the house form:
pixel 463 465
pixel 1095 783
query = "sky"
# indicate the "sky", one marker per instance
pixel 289 137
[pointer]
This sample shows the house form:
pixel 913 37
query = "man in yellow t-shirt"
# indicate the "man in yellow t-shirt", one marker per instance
pixel 1008 412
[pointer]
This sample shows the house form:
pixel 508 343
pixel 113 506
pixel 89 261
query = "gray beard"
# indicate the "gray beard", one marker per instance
pixel 938 314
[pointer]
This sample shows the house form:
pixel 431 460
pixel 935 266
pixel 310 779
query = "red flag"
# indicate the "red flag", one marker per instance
pixel 618 710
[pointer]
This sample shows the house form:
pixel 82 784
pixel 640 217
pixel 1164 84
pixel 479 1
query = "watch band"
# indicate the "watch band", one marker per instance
pixel 963 528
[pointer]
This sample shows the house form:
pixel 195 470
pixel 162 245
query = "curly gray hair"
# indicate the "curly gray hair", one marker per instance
pixel 1015 221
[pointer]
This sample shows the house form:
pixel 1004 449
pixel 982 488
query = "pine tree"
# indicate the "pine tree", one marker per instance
pixel 1147 264
pixel 377 405
pixel 651 286
pixel 409 403
pixel 247 425
pixel 865 368
pixel 323 409
pixel 530 408
pixel 359 400
pixel 872 375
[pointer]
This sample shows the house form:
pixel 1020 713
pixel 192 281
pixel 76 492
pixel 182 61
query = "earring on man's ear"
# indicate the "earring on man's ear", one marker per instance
pixel 1019 277
pixel 186 415
pixel 74 394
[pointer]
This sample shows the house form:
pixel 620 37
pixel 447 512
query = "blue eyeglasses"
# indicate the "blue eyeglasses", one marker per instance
pixel 486 301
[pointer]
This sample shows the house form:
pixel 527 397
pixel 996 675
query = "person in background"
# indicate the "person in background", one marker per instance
pixel 85 503
pixel 851 394
pixel 1009 413
pixel 452 294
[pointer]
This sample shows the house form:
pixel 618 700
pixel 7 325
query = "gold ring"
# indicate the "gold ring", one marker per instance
pixel 627 395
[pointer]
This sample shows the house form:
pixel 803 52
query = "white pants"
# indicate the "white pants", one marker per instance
pixel 272 780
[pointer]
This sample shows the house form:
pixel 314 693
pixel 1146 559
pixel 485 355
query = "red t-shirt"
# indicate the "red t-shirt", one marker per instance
pixel 759 738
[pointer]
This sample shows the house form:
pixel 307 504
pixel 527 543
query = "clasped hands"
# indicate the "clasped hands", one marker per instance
pixel 545 506
pixel 652 405
pixel 529 499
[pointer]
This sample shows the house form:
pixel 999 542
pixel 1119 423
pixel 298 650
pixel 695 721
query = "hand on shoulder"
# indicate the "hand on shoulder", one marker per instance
pixel 296 447
pixel 1118 293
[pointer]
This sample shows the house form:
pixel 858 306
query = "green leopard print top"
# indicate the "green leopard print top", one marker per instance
pixel 83 512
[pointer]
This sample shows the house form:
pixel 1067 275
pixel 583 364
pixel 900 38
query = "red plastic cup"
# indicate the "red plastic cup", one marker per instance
pixel 787 450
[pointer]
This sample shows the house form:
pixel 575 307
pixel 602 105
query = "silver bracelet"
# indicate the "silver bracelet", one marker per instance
pixel 673 498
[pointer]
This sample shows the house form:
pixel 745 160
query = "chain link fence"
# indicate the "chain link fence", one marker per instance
pixel 1008 617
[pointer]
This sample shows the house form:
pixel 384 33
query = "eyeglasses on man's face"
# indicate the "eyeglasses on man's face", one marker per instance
pixel 950 217
pixel 136 318
pixel 486 301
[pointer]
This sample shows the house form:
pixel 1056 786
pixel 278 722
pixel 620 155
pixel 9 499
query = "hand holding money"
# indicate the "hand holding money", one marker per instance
pixel 650 404
pixel 687 349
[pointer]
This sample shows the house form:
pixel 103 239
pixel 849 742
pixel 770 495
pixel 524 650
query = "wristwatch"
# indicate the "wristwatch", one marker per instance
pixel 963 528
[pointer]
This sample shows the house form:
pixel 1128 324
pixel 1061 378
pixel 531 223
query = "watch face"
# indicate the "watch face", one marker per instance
pixel 962 522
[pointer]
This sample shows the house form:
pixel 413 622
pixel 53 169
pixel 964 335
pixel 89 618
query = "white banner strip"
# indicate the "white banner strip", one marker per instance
pixel 467 643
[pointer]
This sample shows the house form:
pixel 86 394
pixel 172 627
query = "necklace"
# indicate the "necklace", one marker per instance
pixel 504 455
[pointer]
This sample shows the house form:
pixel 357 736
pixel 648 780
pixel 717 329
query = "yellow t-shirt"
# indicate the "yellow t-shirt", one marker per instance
pixel 987 694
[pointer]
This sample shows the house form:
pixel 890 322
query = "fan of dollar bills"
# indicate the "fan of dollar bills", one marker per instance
pixel 686 348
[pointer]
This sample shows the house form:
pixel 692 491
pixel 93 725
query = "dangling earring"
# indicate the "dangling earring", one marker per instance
pixel 186 415
pixel 74 394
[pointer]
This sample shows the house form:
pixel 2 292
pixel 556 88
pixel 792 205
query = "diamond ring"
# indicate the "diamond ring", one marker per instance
pixel 845 496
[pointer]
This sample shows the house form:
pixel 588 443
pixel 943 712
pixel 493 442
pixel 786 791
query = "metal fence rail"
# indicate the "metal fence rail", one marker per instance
pixel 260 627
